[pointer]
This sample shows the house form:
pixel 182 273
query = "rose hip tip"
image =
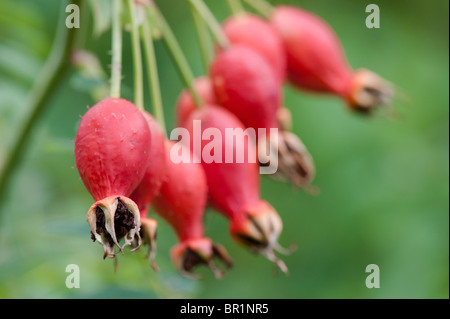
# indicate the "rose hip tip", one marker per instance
pixel 192 258
pixel 113 219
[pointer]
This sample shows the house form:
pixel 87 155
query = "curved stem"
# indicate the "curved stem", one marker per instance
pixel 176 52
pixel 212 22
pixel 204 39
pixel 116 62
pixel 236 6
pixel 137 58
pixel 263 7
pixel 43 88
pixel 152 72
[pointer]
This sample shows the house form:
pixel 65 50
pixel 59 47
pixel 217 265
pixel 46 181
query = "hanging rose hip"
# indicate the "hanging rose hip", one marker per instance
pixel 111 152
pixel 233 186
pixel 181 202
pixel 245 85
pixel 259 35
pixel 150 185
pixel 317 62
pixel 155 173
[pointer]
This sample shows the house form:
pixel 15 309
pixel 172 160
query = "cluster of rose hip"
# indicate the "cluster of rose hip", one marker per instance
pixel 123 156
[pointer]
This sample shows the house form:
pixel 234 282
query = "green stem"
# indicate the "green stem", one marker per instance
pixel 116 62
pixel 43 89
pixel 152 72
pixel 263 7
pixel 137 58
pixel 206 47
pixel 212 22
pixel 236 6
pixel 176 53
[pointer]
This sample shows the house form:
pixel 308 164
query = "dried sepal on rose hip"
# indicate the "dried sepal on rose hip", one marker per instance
pixel 258 227
pixel 111 153
pixel 317 62
pixel 245 84
pixel 234 188
pixel 150 186
pixel 181 202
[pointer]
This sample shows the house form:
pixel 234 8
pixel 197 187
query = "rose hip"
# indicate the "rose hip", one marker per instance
pixel 150 184
pixel 259 35
pixel 111 152
pixel 181 202
pixel 154 176
pixel 234 186
pixel 244 84
pixel 317 62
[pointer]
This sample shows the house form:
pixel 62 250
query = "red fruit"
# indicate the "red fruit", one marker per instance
pixel 259 35
pixel 150 184
pixel 244 84
pixel 181 202
pixel 111 152
pixel 317 62
pixel 234 186
pixel 154 176
pixel 186 104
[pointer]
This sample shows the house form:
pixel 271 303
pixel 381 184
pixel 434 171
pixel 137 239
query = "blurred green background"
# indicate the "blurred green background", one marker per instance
pixel 384 181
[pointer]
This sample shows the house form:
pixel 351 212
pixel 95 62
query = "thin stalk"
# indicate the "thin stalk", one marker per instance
pixel 116 62
pixel 175 52
pixel 44 87
pixel 137 58
pixel 236 6
pixel 152 72
pixel 205 40
pixel 263 7
pixel 211 21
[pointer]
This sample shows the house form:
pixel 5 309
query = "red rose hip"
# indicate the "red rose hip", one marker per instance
pixel 150 185
pixel 181 202
pixel 259 35
pixel 244 84
pixel 111 152
pixel 233 186
pixel 317 62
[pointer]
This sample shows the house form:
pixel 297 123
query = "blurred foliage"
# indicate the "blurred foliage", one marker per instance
pixel 384 182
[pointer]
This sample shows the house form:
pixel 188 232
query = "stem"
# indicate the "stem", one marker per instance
pixel 176 53
pixel 261 6
pixel 152 72
pixel 204 39
pixel 212 22
pixel 137 58
pixel 116 63
pixel 236 6
pixel 43 89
